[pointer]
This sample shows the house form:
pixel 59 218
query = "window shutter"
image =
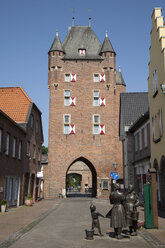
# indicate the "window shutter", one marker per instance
pixel 102 129
pixel 72 101
pixel 102 77
pixel 73 77
pixel 72 129
pixel 82 51
pixel 102 101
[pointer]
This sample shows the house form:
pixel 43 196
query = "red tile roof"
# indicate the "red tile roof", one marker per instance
pixel 15 103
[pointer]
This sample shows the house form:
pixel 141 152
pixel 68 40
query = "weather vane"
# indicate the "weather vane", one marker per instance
pixel 89 10
pixel 73 17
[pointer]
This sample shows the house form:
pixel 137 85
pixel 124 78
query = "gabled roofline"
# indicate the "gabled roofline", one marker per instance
pixel 12 121
pixel 142 118
pixel 18 87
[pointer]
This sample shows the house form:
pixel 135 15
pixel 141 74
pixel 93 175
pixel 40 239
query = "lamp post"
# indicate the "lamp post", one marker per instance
pixel 115 164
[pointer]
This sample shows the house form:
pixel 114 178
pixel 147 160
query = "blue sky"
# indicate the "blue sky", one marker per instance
pixel 27 30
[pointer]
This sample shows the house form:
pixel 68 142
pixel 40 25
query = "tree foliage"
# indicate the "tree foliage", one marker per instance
pixel 44 150
pixel 73 181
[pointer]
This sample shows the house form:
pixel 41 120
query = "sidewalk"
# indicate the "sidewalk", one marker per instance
pixel 19 220
pixel 156 236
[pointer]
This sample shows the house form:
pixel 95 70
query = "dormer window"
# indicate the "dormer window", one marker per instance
pixel 82 52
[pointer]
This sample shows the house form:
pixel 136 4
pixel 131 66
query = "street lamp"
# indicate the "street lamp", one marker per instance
pixel 115 164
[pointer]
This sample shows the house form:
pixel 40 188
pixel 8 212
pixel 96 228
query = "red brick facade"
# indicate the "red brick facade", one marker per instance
pixel 19 161
pixel 98 151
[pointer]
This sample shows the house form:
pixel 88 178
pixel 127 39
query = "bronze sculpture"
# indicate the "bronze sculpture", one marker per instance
pixel 118 220
pixel 95 218
pixel 132 202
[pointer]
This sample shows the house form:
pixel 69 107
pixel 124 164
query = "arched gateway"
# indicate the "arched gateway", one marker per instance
pixel 84 88
pixel 83 173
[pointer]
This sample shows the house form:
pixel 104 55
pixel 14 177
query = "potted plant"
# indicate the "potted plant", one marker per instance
pixel 3 206
pixel 29 200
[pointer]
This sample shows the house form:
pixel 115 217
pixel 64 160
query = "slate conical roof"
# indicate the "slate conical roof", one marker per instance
pixel 119 78
pixel 56 45
pixel 107 46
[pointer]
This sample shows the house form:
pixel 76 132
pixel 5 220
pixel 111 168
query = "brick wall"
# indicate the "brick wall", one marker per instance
pixel 100 150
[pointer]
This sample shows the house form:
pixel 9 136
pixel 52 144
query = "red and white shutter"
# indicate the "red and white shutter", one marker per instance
pixel 102 101
pixel 82 51
pixel 72 101
pixel 102 77
pixel 73 77
pixel 72 129
pixel 102 129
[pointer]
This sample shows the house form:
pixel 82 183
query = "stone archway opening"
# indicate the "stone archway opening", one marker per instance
pixel 81 179
pixel 74 180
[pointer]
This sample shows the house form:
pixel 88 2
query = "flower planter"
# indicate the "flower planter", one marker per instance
pixel 28 202
pixel 3 208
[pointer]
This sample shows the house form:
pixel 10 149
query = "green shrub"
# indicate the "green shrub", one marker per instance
pixel 3 202
pixel 29 197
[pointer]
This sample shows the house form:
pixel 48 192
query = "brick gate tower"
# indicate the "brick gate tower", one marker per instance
pixel 85 92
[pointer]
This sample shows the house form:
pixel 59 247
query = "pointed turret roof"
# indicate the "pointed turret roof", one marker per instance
pixel 119 78
pixel 56 45
pixel 107 46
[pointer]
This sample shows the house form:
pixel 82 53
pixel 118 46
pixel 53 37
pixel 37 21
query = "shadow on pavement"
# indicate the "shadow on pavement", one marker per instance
pixel 77 194
pixel 112 235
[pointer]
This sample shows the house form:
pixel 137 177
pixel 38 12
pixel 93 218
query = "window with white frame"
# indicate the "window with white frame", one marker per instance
pixel 160 123
pixel 140 139
pixel 20 150
pixel 67 77
pixel 14 148
pixel 16 188
pixel 96 98
pixel 153 128
pixel 67 97
pixel 96 124
pixel 67 123
pixel 7 144
pixel 70 77
pixel 34 151
pixel 32 121
pixel 38 154
pixel 105 183
pixel 96 78
pixel 28 148
pixel 0 140
pixel 136 142
pixel 145 136
pixel 155 81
